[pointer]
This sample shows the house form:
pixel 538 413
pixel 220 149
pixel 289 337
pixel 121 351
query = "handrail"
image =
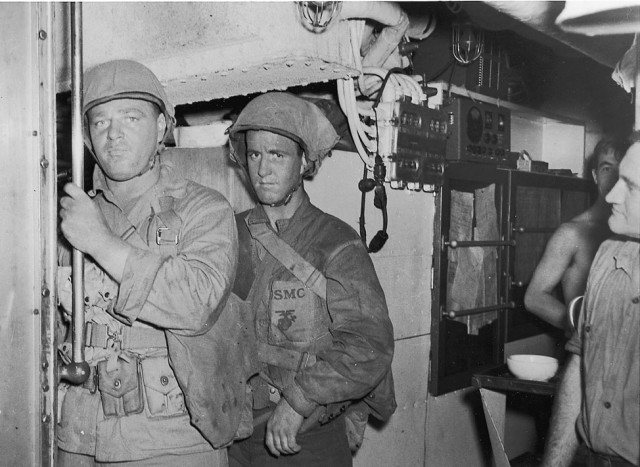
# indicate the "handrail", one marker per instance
pixel 479 243
pixel 476 311
pixel 77 371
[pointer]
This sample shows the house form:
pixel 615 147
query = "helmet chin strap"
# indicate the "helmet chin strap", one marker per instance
pixel 284 201
pixel 150 165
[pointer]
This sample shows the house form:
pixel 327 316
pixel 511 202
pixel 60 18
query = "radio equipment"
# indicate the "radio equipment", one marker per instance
pixel 414 142
pixel 478 131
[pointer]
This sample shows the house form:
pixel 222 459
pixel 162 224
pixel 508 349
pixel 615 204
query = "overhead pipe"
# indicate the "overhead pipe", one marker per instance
pixel 388 14
pixel 77 371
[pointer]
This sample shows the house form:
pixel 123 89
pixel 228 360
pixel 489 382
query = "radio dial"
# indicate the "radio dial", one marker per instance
pixel 474 125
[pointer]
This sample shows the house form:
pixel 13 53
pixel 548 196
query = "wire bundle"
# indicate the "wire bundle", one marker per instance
pixel 372 81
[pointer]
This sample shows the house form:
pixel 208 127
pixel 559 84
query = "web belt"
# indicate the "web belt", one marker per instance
pixel 100 335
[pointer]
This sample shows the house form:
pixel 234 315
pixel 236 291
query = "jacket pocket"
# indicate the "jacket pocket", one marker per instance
pixel 296 313
pixel 120 389
pixel 164 396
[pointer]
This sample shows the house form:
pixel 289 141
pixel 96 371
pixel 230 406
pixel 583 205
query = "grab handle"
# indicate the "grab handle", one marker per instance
pixel 77 371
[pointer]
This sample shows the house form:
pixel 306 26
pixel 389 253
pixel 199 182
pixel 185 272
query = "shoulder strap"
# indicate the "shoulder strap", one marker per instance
pixel 167 237
pixel 299 267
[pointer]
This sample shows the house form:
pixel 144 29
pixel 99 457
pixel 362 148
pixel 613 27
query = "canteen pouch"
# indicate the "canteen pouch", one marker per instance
pixel 164 396
pixel 120 389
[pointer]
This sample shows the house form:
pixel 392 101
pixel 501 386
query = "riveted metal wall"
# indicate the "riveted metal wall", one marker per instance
pixel 27 385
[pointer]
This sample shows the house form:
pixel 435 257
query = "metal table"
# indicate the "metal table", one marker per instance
pixel 494 385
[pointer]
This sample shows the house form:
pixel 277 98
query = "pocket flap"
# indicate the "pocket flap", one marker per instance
pixel 120 381
pixel 158 375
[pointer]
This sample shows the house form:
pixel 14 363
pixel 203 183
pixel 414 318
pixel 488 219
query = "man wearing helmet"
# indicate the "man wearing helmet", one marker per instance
pixel 162 252
pixel 325 341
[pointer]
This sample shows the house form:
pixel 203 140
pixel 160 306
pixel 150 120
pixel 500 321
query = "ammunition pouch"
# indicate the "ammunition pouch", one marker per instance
pixel 121 388
pixel 164 396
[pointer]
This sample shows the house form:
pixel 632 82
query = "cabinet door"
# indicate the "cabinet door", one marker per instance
pixel 469 293
pixel 539 203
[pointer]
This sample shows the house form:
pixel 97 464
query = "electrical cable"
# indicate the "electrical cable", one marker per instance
pixel 363 186
pixel 351 104
pixel 384 84
pixel 379 201
pixel 453 68
pixel 346 108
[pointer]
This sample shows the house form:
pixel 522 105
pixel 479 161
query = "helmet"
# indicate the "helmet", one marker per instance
pixel 287 115
pixel 126 79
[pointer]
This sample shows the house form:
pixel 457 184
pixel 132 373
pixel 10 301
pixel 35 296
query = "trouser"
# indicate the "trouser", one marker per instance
pixel 216 458
pixel 322 446
pixel 601 460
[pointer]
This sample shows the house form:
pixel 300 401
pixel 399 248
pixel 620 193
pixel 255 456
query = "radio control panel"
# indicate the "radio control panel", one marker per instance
pixel 478 131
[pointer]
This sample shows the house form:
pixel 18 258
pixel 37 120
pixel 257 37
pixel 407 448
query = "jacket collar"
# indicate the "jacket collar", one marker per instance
pixel 169 184
pixel 258 215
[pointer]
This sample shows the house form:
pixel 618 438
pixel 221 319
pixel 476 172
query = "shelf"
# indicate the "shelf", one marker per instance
pixel 519 110
pixel 555 139
pixel 501 379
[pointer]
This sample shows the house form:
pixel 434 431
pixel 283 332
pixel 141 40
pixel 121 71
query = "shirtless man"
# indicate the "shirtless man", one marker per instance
pixel 570 251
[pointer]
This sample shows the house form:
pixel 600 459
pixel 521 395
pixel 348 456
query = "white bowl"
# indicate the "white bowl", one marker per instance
pixel 533 367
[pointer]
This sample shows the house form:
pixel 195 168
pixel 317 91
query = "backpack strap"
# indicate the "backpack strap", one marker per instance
pixel 308 274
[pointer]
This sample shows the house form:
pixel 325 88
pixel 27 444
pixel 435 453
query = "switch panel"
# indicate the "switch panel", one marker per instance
pixel 414 142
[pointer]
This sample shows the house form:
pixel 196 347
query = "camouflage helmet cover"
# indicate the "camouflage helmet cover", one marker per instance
pixel 287 115
pixel 126 79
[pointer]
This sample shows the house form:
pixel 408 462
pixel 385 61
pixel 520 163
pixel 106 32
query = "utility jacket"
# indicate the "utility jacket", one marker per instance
pixel 349 334
pixel 176 279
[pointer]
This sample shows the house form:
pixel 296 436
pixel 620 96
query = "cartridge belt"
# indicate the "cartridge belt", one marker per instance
pixel 100 335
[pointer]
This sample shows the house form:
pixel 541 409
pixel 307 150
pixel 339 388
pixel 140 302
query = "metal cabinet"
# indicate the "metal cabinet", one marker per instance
pixel 491 227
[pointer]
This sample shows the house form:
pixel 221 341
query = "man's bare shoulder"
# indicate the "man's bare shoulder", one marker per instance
pixel 575 234
pixel 584 227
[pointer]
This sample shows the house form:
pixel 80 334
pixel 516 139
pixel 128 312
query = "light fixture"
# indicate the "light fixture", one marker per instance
pixel 467 43
pixel 600 18
pixel 317 16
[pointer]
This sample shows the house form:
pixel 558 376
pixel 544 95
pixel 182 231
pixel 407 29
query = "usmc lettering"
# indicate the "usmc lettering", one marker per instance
pixel 286 294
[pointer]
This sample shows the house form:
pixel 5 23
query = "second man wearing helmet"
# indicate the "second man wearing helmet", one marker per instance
pixel 325 341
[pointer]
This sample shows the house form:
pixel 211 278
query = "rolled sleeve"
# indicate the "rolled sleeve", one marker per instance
pixel 296 399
